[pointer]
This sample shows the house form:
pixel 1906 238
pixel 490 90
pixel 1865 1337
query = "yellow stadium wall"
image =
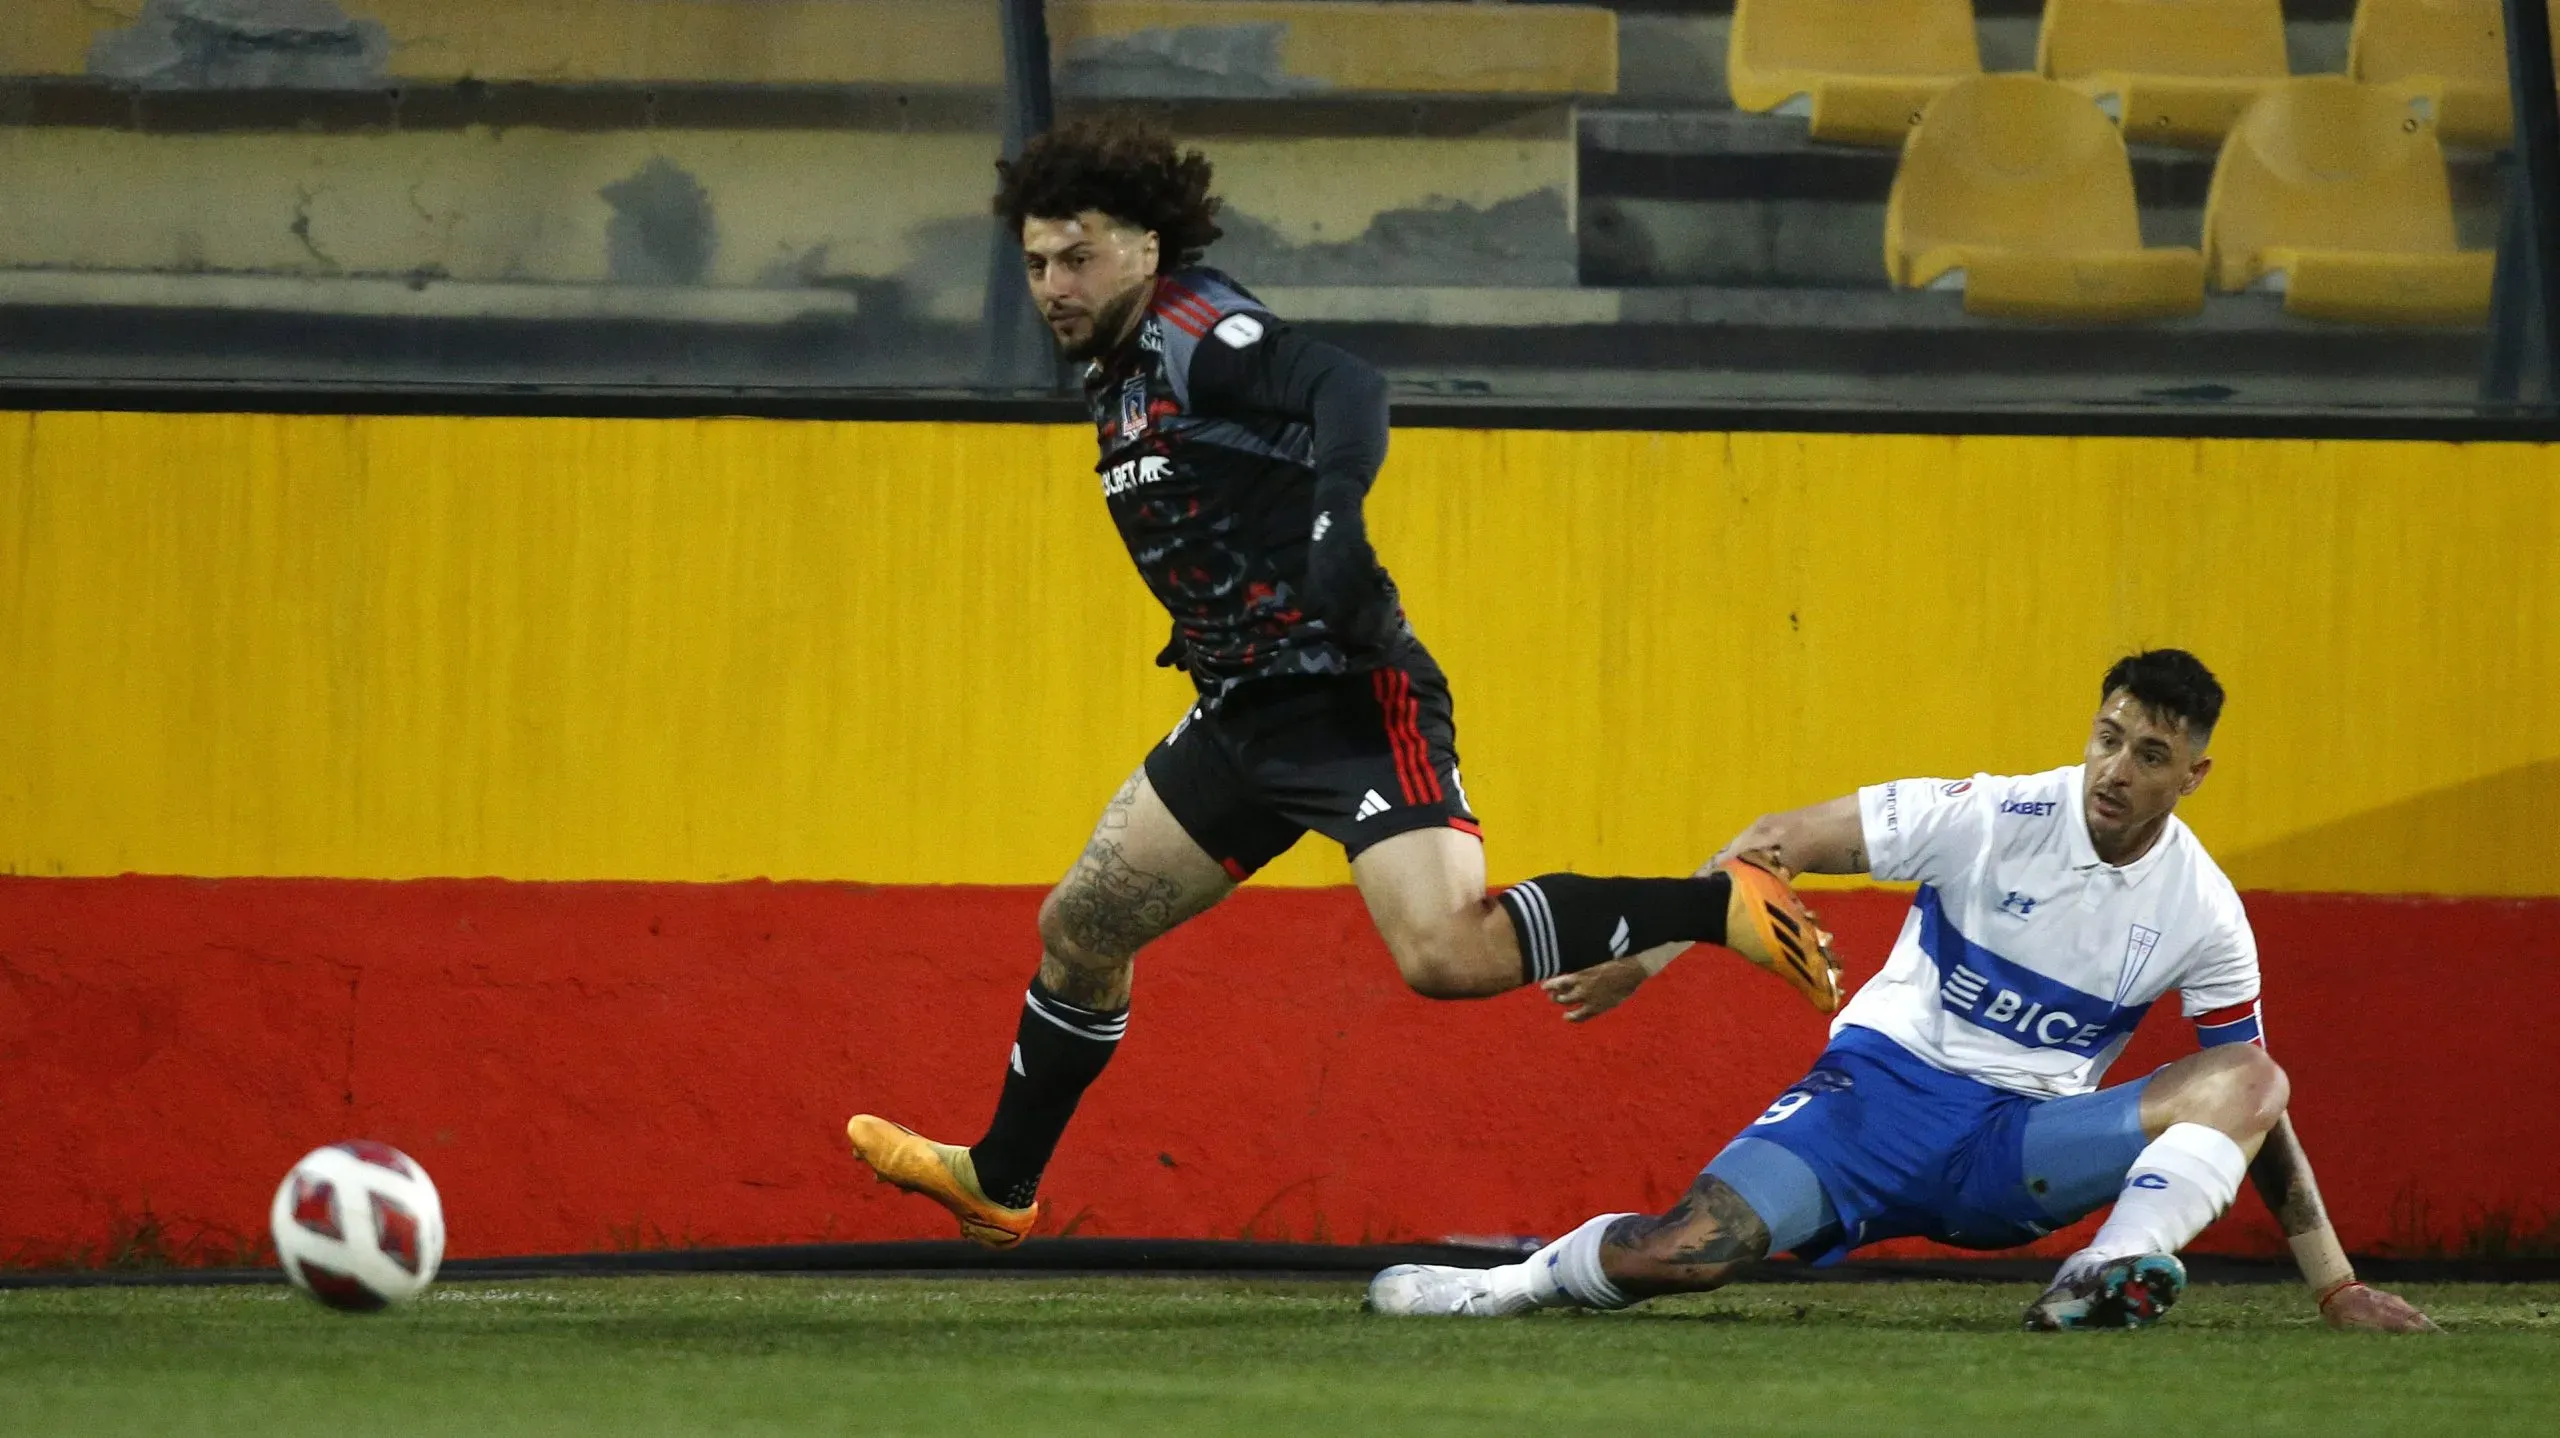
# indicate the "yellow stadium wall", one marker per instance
pixel 253 667
pixel 913 653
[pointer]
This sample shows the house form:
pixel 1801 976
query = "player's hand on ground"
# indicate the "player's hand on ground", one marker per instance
pixel 1595 990
pixel 2358 1309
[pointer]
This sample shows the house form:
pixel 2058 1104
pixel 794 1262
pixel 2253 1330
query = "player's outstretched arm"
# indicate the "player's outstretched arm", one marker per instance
pixel 2283 1178
pixel 1817 839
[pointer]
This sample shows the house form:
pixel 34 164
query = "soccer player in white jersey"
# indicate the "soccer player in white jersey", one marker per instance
pixel 1958 1099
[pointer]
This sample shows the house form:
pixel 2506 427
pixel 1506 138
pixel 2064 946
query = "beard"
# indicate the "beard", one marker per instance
pixel 1109 324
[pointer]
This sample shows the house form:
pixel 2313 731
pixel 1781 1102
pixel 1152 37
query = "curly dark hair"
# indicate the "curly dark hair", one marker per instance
pixel 2172 684
pixel 1122 165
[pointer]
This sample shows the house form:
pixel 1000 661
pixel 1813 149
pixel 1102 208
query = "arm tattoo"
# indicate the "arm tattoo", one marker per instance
pixel 2282 1176
pixel 1709 1225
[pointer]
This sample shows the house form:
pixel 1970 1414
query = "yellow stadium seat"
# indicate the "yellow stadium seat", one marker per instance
pixel 2019 189
pixel 2335 193
pixel 2176 72
pixel 1861 69
pixel 2449 55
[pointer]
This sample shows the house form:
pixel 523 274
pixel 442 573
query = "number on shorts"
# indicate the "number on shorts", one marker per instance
pixel 1784 1108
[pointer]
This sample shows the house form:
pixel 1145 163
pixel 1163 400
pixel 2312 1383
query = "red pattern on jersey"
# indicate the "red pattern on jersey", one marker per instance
pixel 1193 314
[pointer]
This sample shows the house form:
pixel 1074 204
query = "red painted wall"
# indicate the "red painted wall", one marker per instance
pixel 588 1066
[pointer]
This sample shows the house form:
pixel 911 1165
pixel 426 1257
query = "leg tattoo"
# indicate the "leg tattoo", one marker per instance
pixel 1707 1238
pixel 1109 907
pixel 1091 929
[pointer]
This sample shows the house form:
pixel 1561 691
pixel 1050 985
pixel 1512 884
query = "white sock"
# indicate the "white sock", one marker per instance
pixel 1565 1273
pixel 2182 1181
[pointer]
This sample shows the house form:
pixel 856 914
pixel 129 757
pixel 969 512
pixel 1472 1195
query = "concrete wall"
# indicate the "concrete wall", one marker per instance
pixel 756 208
pixel 428 778
pixel 1233 49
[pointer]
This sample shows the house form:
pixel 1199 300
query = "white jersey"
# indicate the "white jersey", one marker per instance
pixel 2026 959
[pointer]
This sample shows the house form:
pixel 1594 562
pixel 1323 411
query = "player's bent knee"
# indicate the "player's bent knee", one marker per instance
pixel 2253 1086
pixel 2266 1089
pixel 1434 978
pixel 1444 966
pixel 2238 1088
pixel 1070 934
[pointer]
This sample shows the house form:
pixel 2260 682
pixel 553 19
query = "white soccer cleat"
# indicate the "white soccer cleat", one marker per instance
pixel 1425 1289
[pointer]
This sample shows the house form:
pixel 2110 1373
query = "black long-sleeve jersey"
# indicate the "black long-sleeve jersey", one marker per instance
pixel 1216 421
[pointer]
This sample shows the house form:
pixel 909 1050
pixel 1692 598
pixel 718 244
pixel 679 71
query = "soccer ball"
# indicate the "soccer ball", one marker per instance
pixel 358 1226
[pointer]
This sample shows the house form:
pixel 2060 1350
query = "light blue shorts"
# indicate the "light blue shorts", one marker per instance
pixel 1876 1144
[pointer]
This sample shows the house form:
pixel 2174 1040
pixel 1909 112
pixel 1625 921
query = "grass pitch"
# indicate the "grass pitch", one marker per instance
pixel 627 1357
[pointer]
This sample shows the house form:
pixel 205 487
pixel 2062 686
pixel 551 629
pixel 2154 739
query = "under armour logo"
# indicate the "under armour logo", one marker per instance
pixel 2017 904
pixel 1618 940
pixel 1323 522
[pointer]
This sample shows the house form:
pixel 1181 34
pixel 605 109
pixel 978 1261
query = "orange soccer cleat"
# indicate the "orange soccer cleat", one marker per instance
pixel 942 1172
pixel 1766 922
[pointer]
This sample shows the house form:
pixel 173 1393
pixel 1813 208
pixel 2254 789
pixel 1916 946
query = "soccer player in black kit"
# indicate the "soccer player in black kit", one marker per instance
pixel 1236 453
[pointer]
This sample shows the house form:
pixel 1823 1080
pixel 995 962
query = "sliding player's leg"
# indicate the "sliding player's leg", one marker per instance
pixel 1846 1128
pixel 2170 1151
pixel 1756 1199
pixel 1139 876
pixel 1707 1239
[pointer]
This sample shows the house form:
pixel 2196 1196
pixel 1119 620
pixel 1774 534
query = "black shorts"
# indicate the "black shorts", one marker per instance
pixel 1355 757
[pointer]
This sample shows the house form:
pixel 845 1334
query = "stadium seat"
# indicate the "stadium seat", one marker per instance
pixel 2447 56
pixel 2019 190
pixel 2176 72
pixel 1861 69
pixel 2334 193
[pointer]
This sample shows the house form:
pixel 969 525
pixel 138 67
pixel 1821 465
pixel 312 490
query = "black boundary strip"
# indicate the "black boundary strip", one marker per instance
pixel 2097 420
pixel 2537 130
pixel 1178 1257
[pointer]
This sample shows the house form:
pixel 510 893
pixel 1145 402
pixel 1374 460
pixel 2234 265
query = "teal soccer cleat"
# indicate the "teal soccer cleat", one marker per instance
pixel 2125 1293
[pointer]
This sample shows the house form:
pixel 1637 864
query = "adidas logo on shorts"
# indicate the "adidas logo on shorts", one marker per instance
pixel 1371 806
